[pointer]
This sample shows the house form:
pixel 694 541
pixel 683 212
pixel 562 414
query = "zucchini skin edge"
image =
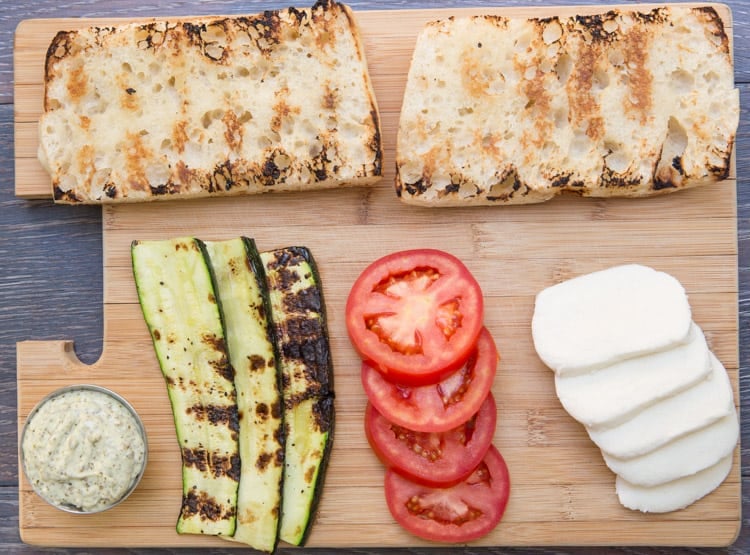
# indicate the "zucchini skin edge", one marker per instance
pixel 324 396
pixel 251 259
pixel 325 407
pixel 227 372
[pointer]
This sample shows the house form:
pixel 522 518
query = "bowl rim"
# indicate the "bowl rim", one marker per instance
pixel 97 389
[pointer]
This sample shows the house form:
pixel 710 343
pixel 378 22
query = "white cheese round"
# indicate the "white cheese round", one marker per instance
pixel 597 319
pixel 676 494
pixel 608 396
pixel 681 457
pixel 673 417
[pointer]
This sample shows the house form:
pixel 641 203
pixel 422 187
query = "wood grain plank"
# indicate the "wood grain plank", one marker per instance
pixel 378 204
pixel 561 487
pixel 709 276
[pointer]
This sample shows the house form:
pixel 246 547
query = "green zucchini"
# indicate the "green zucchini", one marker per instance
pixel 243 296
pixel 177 295
pixel 298 314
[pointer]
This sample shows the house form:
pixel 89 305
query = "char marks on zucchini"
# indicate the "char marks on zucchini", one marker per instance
pixel 177 295
pixel 243 296
pixel 242 342
pixel 299 322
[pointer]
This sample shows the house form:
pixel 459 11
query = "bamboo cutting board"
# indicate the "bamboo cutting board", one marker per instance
pixel 562 493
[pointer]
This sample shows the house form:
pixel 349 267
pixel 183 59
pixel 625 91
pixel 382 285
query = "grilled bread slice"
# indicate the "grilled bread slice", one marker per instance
pixel 278 101
pixel 514 111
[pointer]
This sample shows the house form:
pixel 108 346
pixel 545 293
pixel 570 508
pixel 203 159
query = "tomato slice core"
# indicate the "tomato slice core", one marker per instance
pixel 433 458
pixel 436 407
pixel 460 513
pixel 415 315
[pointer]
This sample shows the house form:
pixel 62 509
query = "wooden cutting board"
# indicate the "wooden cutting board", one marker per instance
pixel 562 493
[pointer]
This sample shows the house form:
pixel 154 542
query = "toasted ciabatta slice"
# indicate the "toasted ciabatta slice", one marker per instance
pixel 514 111
pixel 278 101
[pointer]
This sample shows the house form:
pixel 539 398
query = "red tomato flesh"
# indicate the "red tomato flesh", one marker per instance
pixel 433 458
pixel 415 315
pixel 442 406
pixel 461 513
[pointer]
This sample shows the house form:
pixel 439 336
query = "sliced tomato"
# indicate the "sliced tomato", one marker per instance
pixel 438 407
pixel 434 458
pixel 460 513
pixel 415 315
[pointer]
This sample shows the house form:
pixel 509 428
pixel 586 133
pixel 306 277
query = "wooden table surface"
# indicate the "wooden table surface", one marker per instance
pixel 51 273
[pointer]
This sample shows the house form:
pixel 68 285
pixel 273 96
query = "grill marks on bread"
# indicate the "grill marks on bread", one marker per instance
pixel 509 111
pixel 277 101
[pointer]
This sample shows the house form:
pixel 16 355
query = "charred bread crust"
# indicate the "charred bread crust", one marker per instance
pixel 276 101
pixel 625 103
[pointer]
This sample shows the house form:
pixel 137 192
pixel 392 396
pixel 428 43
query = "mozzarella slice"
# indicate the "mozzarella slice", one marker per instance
pixel 597 319
pixel 681 457
pixel 662 422
pixel 676 494
pixel 608 396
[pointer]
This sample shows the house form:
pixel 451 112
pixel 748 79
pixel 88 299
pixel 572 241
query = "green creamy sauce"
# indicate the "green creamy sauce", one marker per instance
pixel 83 449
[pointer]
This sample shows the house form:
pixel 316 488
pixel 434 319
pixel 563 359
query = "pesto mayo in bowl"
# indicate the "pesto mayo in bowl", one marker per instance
pixel 83 449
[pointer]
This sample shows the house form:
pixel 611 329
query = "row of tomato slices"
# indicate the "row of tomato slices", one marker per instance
pixel 416 319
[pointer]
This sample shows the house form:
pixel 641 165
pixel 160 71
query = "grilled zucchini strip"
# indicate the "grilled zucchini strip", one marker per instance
pixel 243 295
pixel 298 314
pixel 177 296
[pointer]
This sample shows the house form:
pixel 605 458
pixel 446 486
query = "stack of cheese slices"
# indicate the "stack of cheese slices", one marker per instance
pixel 636 371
